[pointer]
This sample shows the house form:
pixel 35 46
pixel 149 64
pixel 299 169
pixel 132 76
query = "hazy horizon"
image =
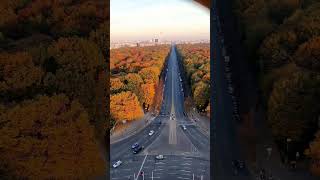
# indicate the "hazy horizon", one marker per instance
pixel 170 20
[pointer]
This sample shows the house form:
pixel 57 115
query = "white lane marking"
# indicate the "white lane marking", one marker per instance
pixel 124 177
pixel 185 164
pixel 160 163
pixel 126 169
pixel 187 158
pixel 183 178
pixel 185 171
pixel 141 166
pixel 158 169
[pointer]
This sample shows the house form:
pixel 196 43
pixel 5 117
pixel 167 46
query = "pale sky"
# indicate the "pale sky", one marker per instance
pixel 165 19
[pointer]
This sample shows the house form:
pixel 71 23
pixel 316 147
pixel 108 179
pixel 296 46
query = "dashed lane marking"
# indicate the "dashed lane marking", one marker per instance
pixel 185 171
pixel 183 178
pixel 185 164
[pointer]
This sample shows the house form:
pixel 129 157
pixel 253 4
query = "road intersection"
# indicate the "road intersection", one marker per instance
pixel 186 151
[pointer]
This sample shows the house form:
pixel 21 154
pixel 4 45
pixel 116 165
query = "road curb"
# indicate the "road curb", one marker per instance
pixel 135 131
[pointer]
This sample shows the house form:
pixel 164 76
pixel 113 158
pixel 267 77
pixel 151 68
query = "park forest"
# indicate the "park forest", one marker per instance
pixel 52 55
pixel 282 40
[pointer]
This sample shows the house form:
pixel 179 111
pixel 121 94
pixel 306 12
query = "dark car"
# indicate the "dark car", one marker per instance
pixel 137 149
pixel 135 145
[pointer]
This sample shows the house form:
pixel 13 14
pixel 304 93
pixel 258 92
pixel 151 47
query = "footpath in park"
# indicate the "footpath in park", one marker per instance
pixel 271 161
pixel 130 128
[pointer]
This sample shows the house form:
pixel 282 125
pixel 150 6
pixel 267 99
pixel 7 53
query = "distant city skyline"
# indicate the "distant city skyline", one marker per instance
pixel 171 20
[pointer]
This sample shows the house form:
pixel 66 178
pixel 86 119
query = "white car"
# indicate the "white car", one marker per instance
pixel 184 127
pixel 151 132
pixel 159 157
pixel 117 164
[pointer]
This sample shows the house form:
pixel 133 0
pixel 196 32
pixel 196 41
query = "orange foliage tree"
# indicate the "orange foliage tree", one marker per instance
pixel 125 106
pixel 148 92
pixel 49 137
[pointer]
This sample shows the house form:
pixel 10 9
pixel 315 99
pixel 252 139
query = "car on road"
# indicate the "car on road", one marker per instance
pixel 117 164
pixel 184 127
pixel 137 149
pixel 159 157
pixel 134 145
pixel 151 132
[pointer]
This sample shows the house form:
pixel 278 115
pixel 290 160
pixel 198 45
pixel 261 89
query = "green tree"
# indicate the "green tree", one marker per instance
pixel 201 95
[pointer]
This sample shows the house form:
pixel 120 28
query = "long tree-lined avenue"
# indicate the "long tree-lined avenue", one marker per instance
pixel 185 151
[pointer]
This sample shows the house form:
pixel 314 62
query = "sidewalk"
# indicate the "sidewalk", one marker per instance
pixel 202 122
pixel 131 128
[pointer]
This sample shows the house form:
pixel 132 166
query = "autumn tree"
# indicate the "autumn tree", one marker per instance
pixel 125 106
pixel 101 38
pixel 201 95
pixel 149 74
pixel 313 152
pixel 79 61
pixel 196 64
pixel 133 82
pixel 148 92
pixel 308 55
pixel 116 85
pixel 293 108
pixel 280 9
pixel 54 140
pixel 277 49
pixel 17 73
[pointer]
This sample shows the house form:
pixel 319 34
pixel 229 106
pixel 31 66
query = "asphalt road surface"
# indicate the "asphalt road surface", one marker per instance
pixel 225 145
pixel 186 152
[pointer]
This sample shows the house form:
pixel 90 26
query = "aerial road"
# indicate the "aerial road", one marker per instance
pixel 170 147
